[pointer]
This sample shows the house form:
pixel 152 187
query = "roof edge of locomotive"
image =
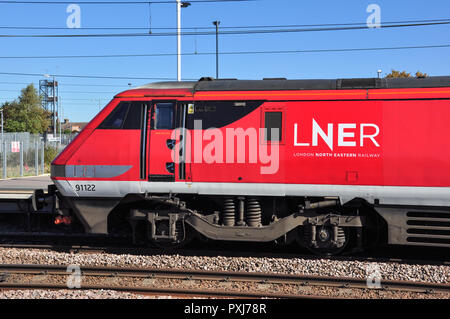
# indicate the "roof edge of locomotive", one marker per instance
pixel 275 84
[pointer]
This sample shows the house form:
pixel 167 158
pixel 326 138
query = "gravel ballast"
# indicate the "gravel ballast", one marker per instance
pixel 70 294
pixel 301 266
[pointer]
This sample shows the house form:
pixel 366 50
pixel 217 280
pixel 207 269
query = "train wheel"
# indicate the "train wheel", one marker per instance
pixel 324 242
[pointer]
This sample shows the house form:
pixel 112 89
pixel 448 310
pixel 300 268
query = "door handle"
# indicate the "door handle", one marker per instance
pixel 170 144
pixel 170 167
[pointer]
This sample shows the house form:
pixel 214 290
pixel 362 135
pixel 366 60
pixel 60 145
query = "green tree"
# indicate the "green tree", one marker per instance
pixel 404 74
pixel 26 114
pixel 421 75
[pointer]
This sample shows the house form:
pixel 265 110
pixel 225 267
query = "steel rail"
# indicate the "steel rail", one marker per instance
pixel 158 291
pixel 264 278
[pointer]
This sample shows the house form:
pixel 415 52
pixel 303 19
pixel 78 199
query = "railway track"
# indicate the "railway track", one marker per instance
pixel 145 275
pixel 148 281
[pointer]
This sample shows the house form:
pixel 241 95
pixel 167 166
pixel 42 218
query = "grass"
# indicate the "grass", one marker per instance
pixel 14 171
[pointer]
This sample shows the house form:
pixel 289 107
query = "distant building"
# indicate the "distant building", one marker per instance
pixel 72 126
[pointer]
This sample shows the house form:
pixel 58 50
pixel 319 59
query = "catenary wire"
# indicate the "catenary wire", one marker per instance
pixel 115 2
pixel 221 27
pixel 87 76
pixel 233 32
pixel 437 46
pixel 70 84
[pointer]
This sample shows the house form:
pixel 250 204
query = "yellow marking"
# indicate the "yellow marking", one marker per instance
pixel 162 96
pixel 402 92
pixel 263 93
pixel 319 94
pixel 162 133
pixel 128 96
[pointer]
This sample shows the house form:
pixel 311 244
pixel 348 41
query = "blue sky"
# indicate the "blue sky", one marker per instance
pixel 81 98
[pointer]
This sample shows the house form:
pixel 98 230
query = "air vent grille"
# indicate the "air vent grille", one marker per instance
pixel 370 83
pixel 428 227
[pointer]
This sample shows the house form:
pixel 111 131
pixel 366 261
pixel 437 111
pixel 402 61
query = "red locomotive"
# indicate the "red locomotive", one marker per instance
pixel 328 163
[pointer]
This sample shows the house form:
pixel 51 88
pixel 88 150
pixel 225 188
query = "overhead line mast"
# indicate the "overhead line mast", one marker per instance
pixel 179 6
pixel 178 40
pixel 50 96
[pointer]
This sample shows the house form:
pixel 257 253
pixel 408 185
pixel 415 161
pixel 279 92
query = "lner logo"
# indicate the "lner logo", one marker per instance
pixel 345 133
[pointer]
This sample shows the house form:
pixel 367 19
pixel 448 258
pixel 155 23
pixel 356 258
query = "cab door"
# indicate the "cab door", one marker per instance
pixel 182 149
pixel 161 165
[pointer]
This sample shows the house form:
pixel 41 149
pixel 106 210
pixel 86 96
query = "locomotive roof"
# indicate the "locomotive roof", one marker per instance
pixel 210 84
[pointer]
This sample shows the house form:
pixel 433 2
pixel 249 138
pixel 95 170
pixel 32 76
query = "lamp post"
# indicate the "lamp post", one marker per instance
pixel 179 6
pixel 216 23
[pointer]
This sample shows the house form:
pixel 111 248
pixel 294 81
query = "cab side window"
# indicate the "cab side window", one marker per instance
pixel 164 116
pixel 127 115
pixel 273 122
pixel 117 116
pixel 133 119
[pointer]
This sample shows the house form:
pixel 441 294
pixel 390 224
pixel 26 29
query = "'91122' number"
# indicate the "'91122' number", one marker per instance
pixel 85 188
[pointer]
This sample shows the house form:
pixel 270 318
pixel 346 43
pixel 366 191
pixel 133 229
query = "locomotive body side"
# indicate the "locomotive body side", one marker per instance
pixel 388 150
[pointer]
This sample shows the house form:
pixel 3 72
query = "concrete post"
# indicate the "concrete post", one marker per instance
pixel 42 158
pixel 4 159
pixel 36 157
pixel 21 159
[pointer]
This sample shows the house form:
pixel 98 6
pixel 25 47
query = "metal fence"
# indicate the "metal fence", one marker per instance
pixel 25 154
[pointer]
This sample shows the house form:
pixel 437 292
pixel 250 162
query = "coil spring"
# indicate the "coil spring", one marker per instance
pixel 228 215
pixel 253 213
pixel 340 237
